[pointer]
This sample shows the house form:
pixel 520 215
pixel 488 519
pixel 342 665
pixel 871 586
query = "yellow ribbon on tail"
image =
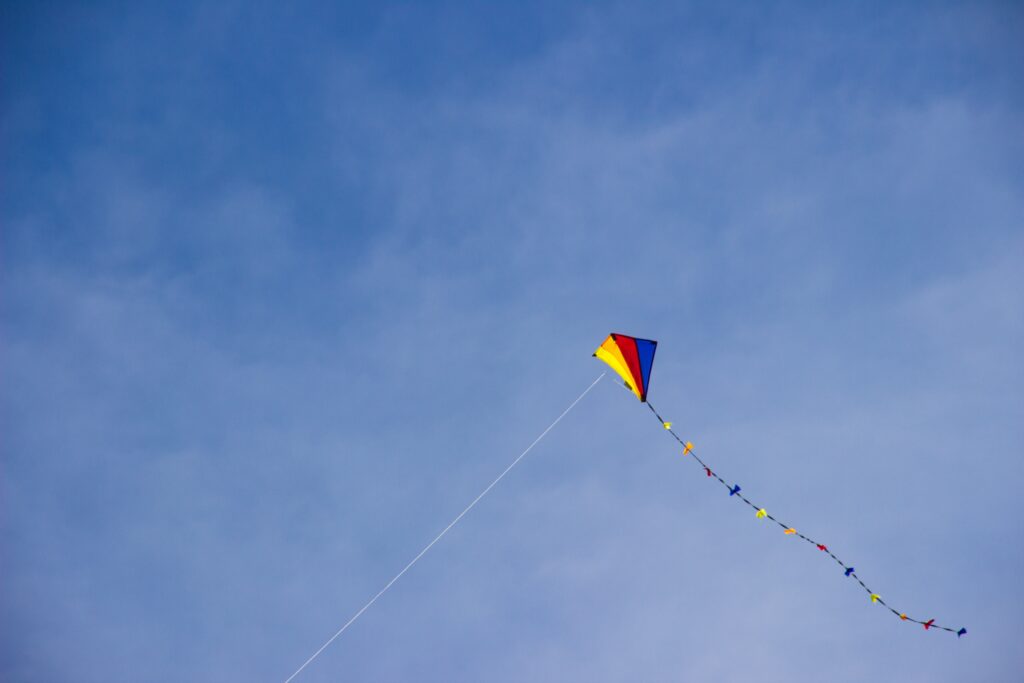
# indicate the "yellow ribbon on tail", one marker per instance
pixel 761 514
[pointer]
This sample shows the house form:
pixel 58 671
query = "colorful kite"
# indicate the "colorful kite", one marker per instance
pixel 632 359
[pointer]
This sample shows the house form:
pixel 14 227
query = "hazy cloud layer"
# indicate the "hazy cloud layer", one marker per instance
pixel 283 289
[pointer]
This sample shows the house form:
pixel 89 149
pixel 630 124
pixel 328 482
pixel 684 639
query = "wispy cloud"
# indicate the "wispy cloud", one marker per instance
pixel 275 309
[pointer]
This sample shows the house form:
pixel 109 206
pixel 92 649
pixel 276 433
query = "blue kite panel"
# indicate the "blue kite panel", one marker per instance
pixel 645 352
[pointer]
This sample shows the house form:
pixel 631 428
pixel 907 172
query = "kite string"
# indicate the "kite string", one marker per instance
pixel 445 531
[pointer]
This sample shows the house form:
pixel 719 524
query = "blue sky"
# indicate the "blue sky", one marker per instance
pixel 283 288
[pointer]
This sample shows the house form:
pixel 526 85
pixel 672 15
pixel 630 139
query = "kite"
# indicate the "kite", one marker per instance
pixel 631 358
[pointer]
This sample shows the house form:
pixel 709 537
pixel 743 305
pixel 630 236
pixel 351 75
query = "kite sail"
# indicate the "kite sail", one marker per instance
pixel 632 358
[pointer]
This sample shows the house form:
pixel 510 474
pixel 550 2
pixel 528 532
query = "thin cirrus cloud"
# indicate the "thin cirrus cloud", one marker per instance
pixel 283 289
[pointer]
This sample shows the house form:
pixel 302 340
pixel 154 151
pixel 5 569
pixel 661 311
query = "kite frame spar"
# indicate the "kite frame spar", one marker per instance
pixel 444 531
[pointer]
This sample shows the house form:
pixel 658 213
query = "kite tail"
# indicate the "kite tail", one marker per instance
pixel 762 513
